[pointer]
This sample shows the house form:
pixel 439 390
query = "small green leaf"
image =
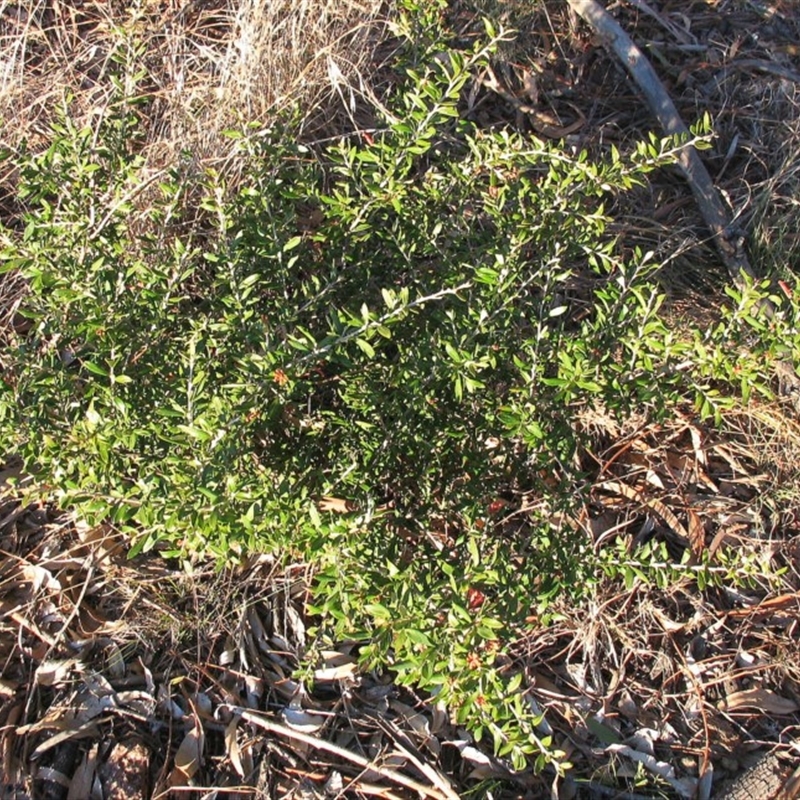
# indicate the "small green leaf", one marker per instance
pixel 378 611
pixel 366 348
pixel 292 243
pixel 389 297
pixel 95 369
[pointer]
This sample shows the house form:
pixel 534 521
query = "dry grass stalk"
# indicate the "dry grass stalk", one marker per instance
pixel 208 65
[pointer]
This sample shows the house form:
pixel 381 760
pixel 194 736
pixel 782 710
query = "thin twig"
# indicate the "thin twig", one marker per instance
pixel 407 748
pixel 320 744
pixel 679 33
pixel 762 65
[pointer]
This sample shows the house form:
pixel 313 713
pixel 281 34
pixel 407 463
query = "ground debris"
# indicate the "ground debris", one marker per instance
pixel 770 779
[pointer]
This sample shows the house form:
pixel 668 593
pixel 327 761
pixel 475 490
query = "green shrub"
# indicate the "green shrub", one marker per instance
pixel 407 321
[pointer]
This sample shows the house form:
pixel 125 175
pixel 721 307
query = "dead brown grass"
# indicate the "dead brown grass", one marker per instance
pixel 205 65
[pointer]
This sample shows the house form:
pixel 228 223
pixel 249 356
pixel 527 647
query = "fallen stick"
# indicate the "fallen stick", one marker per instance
pixel 729 244
pixel 263 722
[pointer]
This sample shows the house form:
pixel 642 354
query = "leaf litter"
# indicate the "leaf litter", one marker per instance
pixel 135 679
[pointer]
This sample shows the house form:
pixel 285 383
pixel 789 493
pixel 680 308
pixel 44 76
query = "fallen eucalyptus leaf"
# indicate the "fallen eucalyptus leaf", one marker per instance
pixel 188 755
pixel 329 674
pixel 52 673
pixel 761 699
pixel 84 782
pixel 302 721
pixel 232 746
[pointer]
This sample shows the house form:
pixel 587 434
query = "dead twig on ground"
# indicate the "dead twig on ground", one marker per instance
pixel 259 720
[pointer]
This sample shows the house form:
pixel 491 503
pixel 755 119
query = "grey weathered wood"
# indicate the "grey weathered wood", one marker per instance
pixel 763 781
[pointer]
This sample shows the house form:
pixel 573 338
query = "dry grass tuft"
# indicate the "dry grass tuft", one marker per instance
pixel 199 68
pixel 774 436
pixel 205 65
pixel 776 204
